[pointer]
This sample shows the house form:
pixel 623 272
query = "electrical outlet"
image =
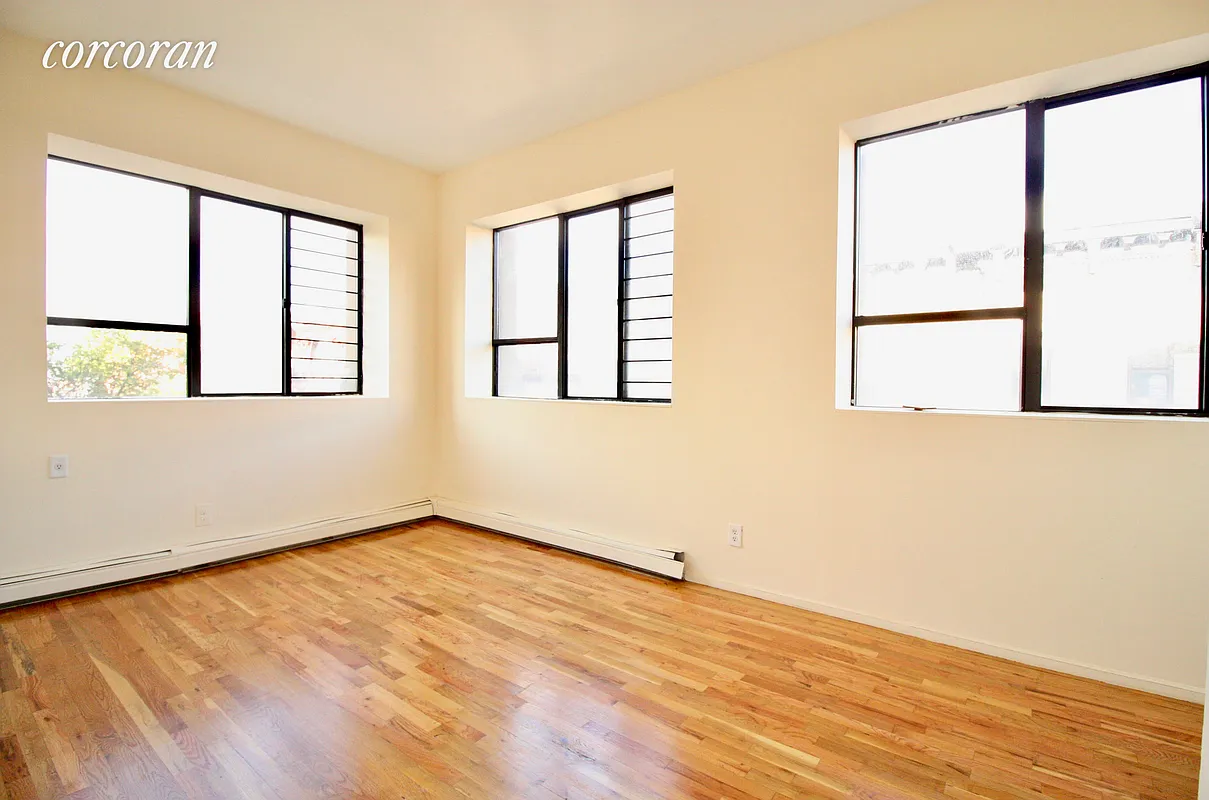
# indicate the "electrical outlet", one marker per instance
pixel 58 466
pixel 203 515
pixel 736 535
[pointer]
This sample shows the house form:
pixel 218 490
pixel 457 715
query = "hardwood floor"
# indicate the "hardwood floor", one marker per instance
pixel 435 661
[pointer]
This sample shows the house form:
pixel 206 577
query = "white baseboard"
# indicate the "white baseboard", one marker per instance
pixel 81 576
pixel 1157 686
pixel 669 563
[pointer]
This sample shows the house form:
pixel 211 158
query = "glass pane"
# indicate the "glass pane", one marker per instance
pixel 299 223
pixel 647 224
pixel 322 333
pixel 649 371
pixel 656 204
pixel 241 292
pixel 527 370
pixel 649 350
pixel 650 245
pixel 941 218
pixel 337 265
pixel 117 246
pixel 323 280
pixel 323 298
pixel 648 287
pixel 649 265
pixel 314 368
pixel 319 243
pixel 959 365
pixel 592 273
pixel 648 391
pixel 649 329
pixel 326 350
pixel 1121 325
pixel 324 385
pixel 322 316
pixel 648 308
pixel 526 280
pixel 105 363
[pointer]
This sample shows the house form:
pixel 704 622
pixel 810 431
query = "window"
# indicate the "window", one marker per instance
pixel 583 303
pixel 156 289
pixel 1045 257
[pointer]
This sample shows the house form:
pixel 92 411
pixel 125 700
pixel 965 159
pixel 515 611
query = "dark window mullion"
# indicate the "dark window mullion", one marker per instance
pixel 287 334
pixel 360 309
pixel 1204 377
pixel 856 222
pixel 193 338
pixel 114 324
pixel 622 215
pixel 562 306
pixel 956 315
pixel 495 350
pixel 1034 254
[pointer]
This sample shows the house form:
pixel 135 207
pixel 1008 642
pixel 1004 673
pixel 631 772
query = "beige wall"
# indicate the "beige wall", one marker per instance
pixel 1083 540
pixel 139 467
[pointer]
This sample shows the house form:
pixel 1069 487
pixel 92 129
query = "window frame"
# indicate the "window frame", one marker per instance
pixel 1034 249
pixel 192 329
pixel 560 337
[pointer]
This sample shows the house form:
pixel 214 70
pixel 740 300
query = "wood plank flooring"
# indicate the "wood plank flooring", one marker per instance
pixel 435 661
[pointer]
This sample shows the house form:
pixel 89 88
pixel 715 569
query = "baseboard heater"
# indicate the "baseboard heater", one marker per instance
pixel 38 585
pixel 659 561
pixel 43 584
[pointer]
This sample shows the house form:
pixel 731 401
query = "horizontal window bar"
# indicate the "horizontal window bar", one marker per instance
pixel 647 277
pixel 328 324
pixel 241 394
pixel 117 325
pixel 649 338
pixel 77 162
pixel 648 255
pixel 583 212
pixel 938 124
pixel 329 308
pixel 653 383
pixel 649 213
pixel 344 273
pixel 321 253
pixel 296 284
pixel 964 315
pixel 641 319
pixel 1147 412
pixel 324 235
pixel 1128 85
pixel 539 340
pixel 652 233
pixel 320 341
pixel 312 358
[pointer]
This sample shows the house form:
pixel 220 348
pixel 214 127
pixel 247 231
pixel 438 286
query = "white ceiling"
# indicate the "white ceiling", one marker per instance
pixel 438 83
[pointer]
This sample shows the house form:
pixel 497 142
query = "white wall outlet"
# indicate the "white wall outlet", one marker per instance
pixel 58 466
pixel 736 535
pixel 203 515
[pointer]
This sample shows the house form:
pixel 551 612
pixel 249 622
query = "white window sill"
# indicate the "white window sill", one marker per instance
pixel 75 401
pixel 1061 415
pixel 575 401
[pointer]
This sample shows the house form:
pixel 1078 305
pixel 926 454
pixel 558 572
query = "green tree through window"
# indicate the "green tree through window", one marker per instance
pixel 108 363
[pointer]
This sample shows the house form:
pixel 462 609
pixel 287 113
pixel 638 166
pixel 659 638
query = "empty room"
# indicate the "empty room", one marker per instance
pixel 604 399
